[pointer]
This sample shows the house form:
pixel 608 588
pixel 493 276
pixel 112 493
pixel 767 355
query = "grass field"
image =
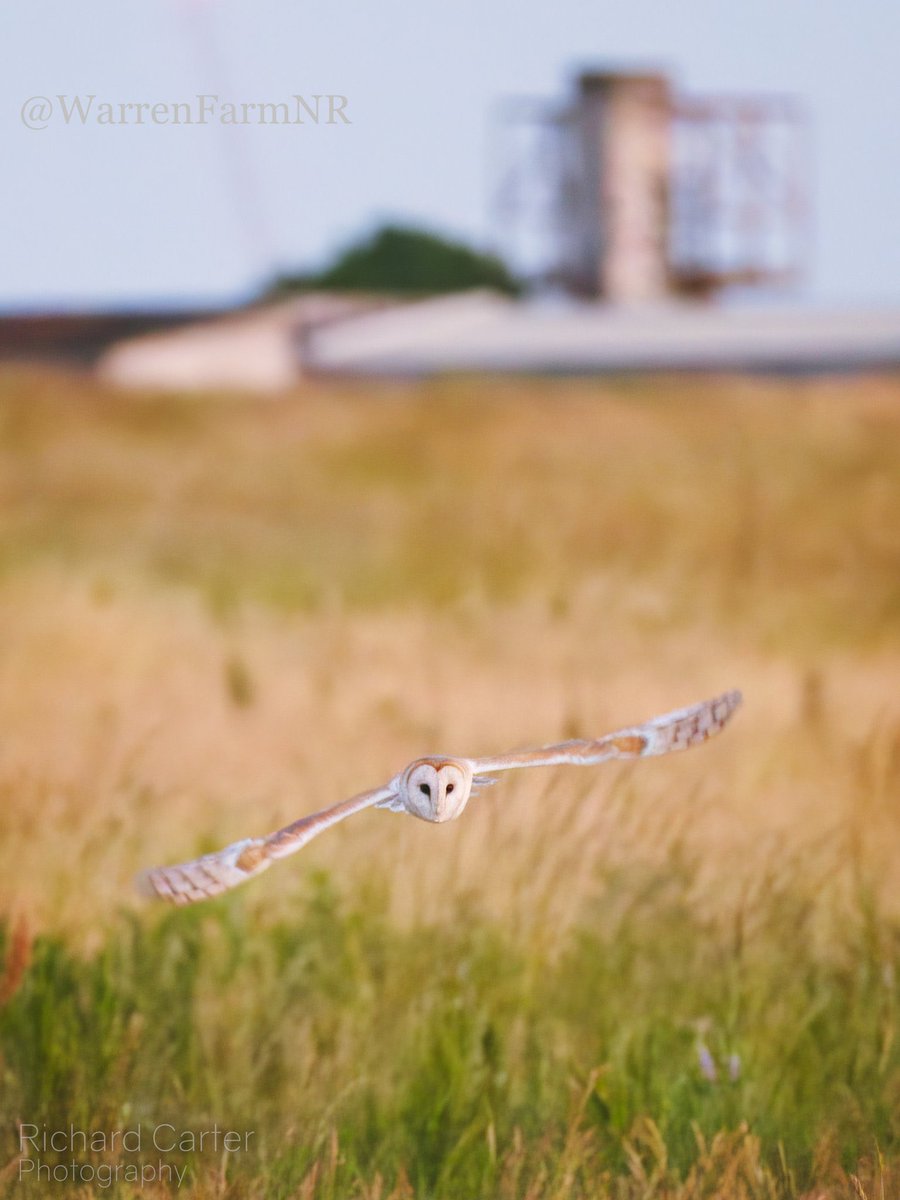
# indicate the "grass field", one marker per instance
pixel 669 980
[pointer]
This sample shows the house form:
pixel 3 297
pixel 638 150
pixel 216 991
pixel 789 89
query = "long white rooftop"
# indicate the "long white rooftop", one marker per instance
pixel 481 331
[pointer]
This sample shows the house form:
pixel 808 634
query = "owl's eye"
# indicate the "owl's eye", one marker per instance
pixel 449 788
pixel 425 789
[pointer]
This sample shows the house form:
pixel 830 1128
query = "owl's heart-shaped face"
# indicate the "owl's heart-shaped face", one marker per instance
pixel 436 789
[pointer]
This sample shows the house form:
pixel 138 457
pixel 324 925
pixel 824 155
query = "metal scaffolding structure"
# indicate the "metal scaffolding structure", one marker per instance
pixel 633 192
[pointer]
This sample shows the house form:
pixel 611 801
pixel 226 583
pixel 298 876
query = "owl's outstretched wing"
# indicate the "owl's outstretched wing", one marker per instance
pixel 215 873
pixel 212 874
pixel 661 735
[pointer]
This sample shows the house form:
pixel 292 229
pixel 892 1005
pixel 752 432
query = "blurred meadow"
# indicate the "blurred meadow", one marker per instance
pixel 669 980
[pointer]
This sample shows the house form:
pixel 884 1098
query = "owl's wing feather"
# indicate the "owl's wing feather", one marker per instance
pixel 213 874
pixel 392 802
pixel 661 735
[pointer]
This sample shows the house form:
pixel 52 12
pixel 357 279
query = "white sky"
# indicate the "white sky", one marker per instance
pixel 93 215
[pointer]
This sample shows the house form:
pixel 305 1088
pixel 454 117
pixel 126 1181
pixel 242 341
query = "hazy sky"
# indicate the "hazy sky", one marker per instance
pixel 97 213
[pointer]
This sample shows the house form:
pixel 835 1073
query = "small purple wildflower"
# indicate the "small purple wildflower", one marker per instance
pixel 707 1062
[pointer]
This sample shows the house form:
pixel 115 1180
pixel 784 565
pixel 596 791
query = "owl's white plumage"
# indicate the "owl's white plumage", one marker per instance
pixel 435 789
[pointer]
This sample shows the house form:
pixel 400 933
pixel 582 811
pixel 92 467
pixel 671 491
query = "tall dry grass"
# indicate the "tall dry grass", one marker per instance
pixel 217 614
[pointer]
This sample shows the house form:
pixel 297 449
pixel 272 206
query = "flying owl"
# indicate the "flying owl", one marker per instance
pixel 434 789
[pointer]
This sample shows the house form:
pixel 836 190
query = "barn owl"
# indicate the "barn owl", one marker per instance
pixel 434 789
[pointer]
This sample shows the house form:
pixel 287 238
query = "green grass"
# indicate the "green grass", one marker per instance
pixel 437 1055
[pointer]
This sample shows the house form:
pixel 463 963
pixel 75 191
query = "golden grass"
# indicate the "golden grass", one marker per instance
pixel 217 616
